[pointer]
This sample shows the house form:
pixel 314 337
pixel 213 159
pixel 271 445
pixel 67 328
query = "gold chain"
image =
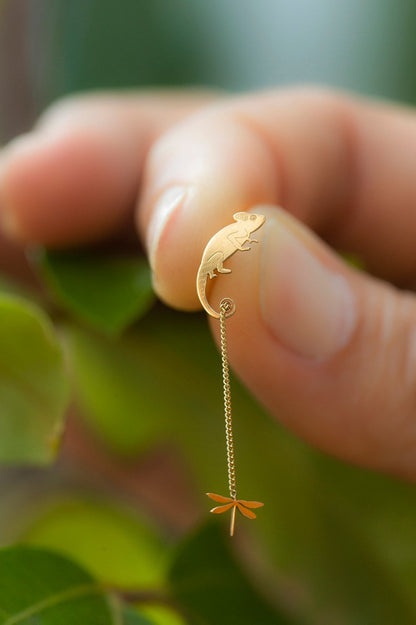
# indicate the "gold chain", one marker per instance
pixel 226 306
pixel 218 249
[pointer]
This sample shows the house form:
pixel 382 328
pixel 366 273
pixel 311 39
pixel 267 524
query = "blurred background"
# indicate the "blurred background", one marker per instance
pixel 52 47
pixel 335 544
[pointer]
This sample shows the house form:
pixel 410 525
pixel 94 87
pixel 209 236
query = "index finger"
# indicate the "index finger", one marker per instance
pixel 75 178
pixel 343 165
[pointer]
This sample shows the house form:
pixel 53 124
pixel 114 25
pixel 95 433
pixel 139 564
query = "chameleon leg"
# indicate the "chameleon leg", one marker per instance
pixel 222 269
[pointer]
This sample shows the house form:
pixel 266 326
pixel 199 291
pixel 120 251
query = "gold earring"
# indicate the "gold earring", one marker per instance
pixel 220 247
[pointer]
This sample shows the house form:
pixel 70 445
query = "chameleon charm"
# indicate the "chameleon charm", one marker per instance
pixel 220 247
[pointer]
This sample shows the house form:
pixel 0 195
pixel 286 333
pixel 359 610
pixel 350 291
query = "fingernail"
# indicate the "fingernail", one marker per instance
pixel 167 204
pixel 309 308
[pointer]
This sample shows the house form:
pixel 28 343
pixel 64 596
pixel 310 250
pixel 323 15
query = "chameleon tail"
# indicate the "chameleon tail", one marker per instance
pixel 201 285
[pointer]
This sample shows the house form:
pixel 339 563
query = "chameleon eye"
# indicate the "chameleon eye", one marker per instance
pixel 253 217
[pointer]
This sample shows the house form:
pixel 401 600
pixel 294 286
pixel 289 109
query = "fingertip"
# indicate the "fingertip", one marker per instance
pixel 75 178
pixel 196 177
pixel 62 188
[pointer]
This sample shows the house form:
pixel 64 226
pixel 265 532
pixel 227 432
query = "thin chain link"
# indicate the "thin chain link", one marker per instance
pixel 226 307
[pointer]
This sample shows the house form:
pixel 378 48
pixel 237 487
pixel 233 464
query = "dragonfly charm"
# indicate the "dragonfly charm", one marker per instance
pixel 228 503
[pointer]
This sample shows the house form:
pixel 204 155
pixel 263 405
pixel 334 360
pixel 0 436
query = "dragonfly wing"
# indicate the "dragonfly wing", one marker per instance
pixel 246 512
pixel 220 509
pixel 220 498
pixel 251 504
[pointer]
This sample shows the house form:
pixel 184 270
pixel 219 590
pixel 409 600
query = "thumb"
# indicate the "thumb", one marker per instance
pixel 329 351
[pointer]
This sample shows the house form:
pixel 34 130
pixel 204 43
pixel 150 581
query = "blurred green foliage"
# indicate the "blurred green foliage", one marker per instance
pixel 97 44
pixel 119 548
pixel 33 385
pixel 107 292
pixel 333 542
pixel 213 588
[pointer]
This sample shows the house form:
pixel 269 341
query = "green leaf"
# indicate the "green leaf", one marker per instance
pixel 46 589
pixel 33 385
pixel 115 545
pixel 209 583
pixel 108 293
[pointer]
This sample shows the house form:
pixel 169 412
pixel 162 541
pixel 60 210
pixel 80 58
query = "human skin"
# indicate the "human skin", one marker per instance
pixel 329 350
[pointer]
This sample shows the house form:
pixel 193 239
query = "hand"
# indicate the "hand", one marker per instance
pixel 330 351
